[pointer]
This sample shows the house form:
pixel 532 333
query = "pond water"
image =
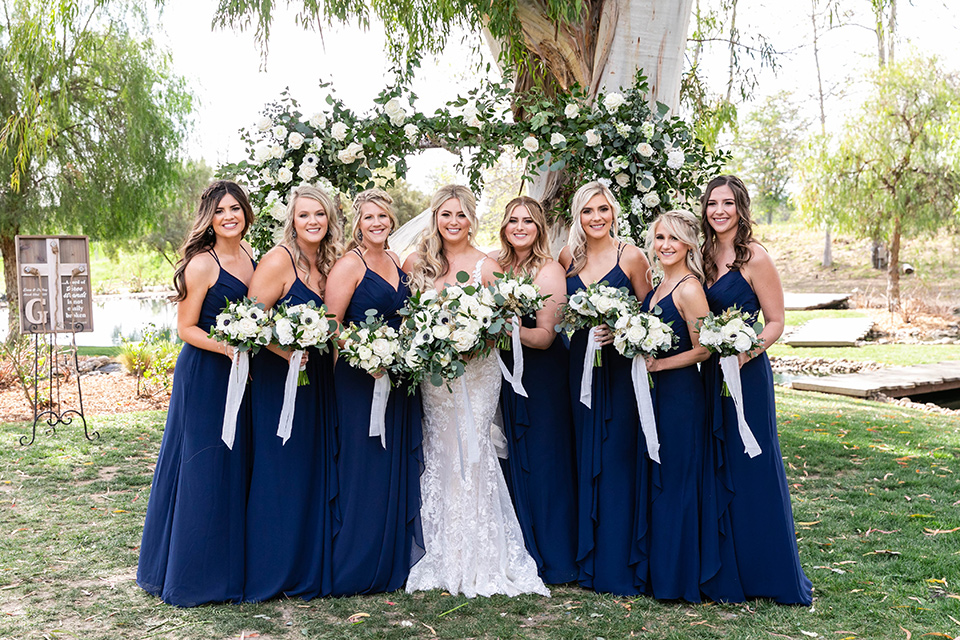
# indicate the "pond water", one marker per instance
pixel 116 317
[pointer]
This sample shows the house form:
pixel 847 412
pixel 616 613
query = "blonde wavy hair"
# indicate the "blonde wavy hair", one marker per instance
pixel 685 226
pixel 540 252
pixel 332 244
pixel 577 242
pixel 380 198
pixel 433 263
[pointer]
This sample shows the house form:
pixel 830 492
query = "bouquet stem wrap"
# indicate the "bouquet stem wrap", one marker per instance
pixel 516 378
pixel 731 373
pixel 237 382
pixel 586 382
pixel 289 396
pixel 378 409
pixel 473 443
pixel 648 421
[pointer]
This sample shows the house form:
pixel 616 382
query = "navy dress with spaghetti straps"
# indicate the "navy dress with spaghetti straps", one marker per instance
pixel 289 512
pixel 606 437
pixel 540 469
pixel 668 513
pixel 758 546
pixel 193 535
pixel 378 536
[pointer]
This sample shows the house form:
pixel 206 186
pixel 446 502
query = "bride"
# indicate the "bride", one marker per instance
pixel 471 535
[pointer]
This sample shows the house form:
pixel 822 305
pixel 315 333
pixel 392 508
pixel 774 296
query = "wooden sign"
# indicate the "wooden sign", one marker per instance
pixel 54 278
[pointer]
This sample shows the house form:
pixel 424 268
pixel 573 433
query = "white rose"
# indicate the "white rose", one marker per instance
pixel 412 360
pixel 557 139
pixel 647 129
pixel 742 343
pixel 471 115
pixel 411 131
pixel 613 101
pixel 276 151
pixel 593 138
pixel 645 149
pixel 279 132
pixel 571 110
pixel 354 151
pixel 307 172
pixel 267 176
pixel 266 336
pixel 393 106
pixel 527 291
pixel 318 120
pixel 531 144
pixel 646 182
pixel 441 331
pixel 651 200
pixel 278 211
pixel 636 333
pixel 381 347
pixel 373 363
pixel 246 327
pixel 262 152
pixel 463 340
pixel 675 159
pixel 339 131
pixel 284 175
pixel 398 119
pixel 364 352
pixel 486 297
pixel 428 296
pixel 295 140
pixel 623 179
pixel 284 330
pixel 605 305
pixel 264 124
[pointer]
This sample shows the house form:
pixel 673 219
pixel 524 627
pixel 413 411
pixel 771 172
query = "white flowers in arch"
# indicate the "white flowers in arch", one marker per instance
pixel 650 160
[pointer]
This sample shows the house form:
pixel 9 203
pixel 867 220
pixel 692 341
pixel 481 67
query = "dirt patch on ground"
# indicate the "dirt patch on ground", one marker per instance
pixel 103 394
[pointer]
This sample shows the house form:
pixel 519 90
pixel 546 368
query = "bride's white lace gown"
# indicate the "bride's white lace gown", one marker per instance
pixel 471 535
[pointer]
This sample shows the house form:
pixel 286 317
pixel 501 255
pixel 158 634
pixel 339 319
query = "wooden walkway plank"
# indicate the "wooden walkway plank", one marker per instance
pixel 807 301
pixel 895 382
pixel 830 332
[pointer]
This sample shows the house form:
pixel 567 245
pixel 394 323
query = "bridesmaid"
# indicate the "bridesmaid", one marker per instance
pixel 289 512
pixel 192 548
pixel 540 467
pixel 668 515
pixel 759 555
pixel 378 537
pixel 606 434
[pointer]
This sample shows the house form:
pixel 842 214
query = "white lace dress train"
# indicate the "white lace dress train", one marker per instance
pixel 472 538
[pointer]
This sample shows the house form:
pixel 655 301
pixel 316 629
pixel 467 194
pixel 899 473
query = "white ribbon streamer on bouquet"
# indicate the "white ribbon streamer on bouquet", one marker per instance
pixel 516 378
pixel 236 384
pixel 586 382
pixel 473 443
pixel 378 409
pixel 648 421
pixel 731 373
pixel 289 396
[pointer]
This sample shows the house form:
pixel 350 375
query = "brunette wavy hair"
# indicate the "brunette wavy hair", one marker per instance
pixel 540 252
pixel 202 236
pixel 744 235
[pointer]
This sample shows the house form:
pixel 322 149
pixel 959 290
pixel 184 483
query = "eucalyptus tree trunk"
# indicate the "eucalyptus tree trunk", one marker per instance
pixel 602 53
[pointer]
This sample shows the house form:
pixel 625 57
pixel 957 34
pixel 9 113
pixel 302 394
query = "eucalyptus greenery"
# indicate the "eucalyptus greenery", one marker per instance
pixel 652 160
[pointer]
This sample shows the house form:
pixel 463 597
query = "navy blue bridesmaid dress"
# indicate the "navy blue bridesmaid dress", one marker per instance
pixel 758 544
pixel 668 513
pixel 540 469
pixel 292 485
pixel 378 536
pixel 193 535
pixel 606 437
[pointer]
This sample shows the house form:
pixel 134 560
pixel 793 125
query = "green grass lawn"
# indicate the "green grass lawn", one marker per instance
pixel 875 489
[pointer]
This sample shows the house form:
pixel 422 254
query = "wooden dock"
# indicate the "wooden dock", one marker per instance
pixel 830 332
pixel 895 382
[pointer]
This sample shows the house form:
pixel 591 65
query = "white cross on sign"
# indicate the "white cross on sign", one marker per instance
pixel 64 263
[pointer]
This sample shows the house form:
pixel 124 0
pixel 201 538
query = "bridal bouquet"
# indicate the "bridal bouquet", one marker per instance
pixel 728 335
pixel 243 325
pixel 515 296
pixel 638 336
pixel 299 326
pixel 373 346
pixel 597 304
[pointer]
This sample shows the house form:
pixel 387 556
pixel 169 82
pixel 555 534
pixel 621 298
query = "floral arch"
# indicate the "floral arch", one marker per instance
pixel 651 159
